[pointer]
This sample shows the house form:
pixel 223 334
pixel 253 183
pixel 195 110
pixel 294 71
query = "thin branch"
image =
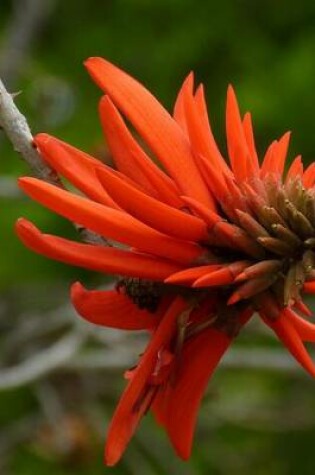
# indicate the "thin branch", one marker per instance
pixel 236 358
pixel 67 355
pixel 42 363
pixel 16 128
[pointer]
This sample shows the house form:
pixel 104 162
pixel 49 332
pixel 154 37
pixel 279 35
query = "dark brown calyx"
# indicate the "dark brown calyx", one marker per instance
pixel 144 293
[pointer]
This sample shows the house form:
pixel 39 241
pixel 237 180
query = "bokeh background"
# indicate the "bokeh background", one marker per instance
pixel 60 378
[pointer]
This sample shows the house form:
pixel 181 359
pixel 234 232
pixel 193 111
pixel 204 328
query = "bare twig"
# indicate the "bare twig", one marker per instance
pixel 42 363
pixel 236 358
pixel 66 354
pixel 30 326
pixel 16 128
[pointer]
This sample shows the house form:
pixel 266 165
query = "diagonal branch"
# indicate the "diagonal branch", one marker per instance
pixel 16 128
pixel 42 363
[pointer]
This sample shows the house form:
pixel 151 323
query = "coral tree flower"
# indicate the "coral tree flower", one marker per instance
pixel 206 244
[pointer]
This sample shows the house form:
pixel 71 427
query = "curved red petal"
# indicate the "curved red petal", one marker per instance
pixel 200 101
pixel 156 214
pixel 305 329
pixel 154 124
pixel 188 276
pixel 109 222
pixel 177 407
pixel 309 287
pixel 126 417
pixel 199 130
pixel 295 170
pixel 74 165
pixel 309 176
pixel 97 258
pixel 179 107
pixel 180 403
pixel 131 159
pixel 110 308
pixel 250 139
pixel 236 142
pixel 288 334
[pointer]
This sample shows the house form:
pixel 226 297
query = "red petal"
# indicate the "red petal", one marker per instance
pixel 110 308
pixel 305 329
pixel 249 137
pixel 204 118
pixel 282 151
pixel 303 308
pixel 236 142
pixel 199 135
pixel 109 222
pixel 179 108
pixel 275 159
pixel 154 124
pixel 223 276
pixel 309 176
pixel 131 159
pixel 98 258
pixel 296 169
pixel 267 163
pixel 126 418
pixel 287 333
pixel 177 408
pixel 210 217
pixel 309 287
pixel 74 165
pixel 188 276
pixel 151 211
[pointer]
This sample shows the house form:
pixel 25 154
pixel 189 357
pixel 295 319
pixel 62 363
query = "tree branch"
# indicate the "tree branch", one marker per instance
pixel 66 355
pixel 16 128
pixel 42 363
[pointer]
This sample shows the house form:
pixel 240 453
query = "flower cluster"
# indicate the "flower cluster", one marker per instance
pixel 206 244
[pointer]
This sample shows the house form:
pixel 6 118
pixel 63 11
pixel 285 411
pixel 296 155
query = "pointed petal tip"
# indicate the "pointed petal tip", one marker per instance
pixel 240 277
pixel 170 280
pixel 111 457
pixel 25 179
pixel 93 66
pixel 106 101
pixel 42 138
pixel 183 452
pixel 20 222
pixel 189 80
pixel 200 89
pixel 230 90
pixel 234 299
pixel 92 60
pixel 23 226
pixel 28 233
pixel 76 289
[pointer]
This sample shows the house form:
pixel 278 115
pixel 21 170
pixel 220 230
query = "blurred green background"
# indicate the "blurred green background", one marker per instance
pixel 254 420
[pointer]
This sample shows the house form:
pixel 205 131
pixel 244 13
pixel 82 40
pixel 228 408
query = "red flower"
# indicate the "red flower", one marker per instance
pixel 206 244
